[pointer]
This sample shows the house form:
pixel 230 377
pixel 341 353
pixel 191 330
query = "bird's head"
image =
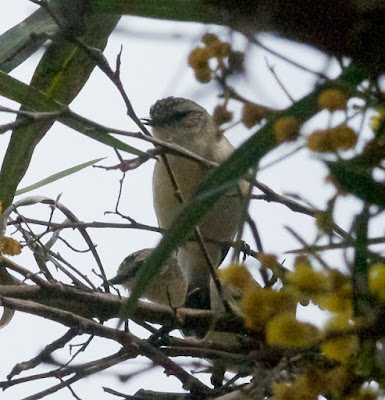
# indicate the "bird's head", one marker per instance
pixel 130 267
pixel 180 120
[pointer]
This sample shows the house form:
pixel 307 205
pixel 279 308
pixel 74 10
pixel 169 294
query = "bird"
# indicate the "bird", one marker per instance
pixel 168 287
pixel 185 123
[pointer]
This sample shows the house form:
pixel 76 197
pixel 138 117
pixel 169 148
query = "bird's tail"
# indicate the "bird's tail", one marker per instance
pixel 197 298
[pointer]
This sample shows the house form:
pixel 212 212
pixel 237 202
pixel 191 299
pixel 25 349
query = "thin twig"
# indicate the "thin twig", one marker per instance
pixel 42 356
pixel 254 40
pixel 280 84
pixel 303 242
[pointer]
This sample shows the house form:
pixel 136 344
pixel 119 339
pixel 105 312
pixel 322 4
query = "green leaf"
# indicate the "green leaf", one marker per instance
pixel 361 292
pixel 61 74
pixel 57 176
pixel 186 10
pixel 226 176
pixel 355 178
pixel 24 39
pixel 37 101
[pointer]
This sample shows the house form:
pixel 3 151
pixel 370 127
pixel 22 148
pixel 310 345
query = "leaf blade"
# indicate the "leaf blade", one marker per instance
pixel 24 39
pixel 57 176
pixel 62 72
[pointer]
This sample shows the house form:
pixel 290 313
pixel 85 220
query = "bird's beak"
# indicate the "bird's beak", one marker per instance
pixel 118 280
pixel 146 121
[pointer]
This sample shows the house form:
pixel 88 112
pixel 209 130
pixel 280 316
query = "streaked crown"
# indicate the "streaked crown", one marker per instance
pixel 173 111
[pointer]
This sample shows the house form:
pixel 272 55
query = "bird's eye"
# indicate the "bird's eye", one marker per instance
pixel 135 269
pixel 178 116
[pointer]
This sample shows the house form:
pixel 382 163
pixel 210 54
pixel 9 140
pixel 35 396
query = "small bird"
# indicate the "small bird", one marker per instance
pixel 187 124
pixel 167 288
pixel 169 285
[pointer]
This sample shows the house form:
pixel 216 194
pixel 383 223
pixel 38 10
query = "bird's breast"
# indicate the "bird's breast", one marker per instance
pixel 188 176
pixel 222 220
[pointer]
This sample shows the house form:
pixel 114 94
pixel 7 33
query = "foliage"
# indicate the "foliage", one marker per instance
pixel 260 336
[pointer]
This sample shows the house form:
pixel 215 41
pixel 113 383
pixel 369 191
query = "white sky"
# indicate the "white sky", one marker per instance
pixel 153 66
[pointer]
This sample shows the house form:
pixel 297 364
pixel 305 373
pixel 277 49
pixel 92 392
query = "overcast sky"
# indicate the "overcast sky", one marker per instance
pixel 153 66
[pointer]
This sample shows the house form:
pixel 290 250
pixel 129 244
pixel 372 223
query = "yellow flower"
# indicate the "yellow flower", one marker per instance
pixel 253 114
pixel 304 281
pixel 286 129
pixel 314 378
pixel 268 260
pixel 302 259
pixel 234 280
pixel 340 296
pixel 236 275
pixel 198 58
pixel 203 75
pixel 333 139
pixel 377 280
pixel 320 141
pixel 343 345
pixel 284 391
pixel 299 389
pixel 332 100
pixel 210 38
pixel 338 302
pixel 344 137
pixel 259 305
pixel 339 281
pixel 339 381
pixel 9 246
pixel 377 119
pixel 221 115
pixel 219 49
pixel 285 330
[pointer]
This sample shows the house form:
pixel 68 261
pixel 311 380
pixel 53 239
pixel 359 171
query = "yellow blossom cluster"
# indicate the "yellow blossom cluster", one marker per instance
pixel 269 261
pixel 303 387
pixel 8 245
pixel 222 115
pixel 342 344
pixel 330 290
pixel 339 382
pixel 304 283
pixel 377 280
pixel 330 140
pixel 286 129
pixel 377 119
pixel 340 295
pixel 213 48
pixel 274 311
pixel 332 100
pixel 253 114
pixel 284 330
pixel 234 280
pixel 236 275
pixel 259 305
